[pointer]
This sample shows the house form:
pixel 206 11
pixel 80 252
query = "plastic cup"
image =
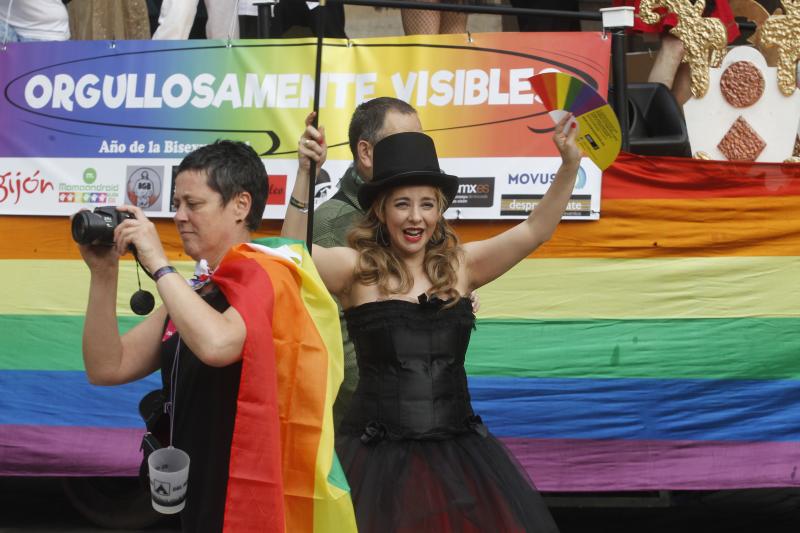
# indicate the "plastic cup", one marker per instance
pixel 169 479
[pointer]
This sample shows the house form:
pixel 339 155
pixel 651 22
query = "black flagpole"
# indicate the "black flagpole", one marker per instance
pixel 312 179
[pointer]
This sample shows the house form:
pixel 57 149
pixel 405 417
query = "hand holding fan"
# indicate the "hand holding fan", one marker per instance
pixel 599 135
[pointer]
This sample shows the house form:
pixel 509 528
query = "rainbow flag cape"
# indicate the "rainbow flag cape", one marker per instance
pixel 284 474
pixel 659 347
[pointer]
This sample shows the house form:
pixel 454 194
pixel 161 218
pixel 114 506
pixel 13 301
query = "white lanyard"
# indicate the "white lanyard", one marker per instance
pixel 173 386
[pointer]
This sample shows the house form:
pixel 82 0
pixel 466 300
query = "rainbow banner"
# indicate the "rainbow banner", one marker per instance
pixel 88 123
pixel 52 421
pixel 658 347
pixel 653 349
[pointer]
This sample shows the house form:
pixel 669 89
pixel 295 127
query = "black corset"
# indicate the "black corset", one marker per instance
pixel 412 383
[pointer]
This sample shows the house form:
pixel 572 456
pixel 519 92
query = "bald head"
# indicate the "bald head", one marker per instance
pixel 372 121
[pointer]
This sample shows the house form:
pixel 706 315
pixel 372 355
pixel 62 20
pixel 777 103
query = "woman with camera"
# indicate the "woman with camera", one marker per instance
pixel 196 337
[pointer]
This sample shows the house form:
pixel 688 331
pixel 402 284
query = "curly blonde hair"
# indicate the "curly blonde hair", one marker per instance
pixel 379 265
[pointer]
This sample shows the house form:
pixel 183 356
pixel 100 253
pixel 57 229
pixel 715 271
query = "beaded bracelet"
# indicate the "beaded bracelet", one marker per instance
pixel 297 204
pixel 163 271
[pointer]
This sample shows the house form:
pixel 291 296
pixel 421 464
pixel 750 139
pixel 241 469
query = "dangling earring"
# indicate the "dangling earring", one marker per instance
pixel 436 241
pixel 380 238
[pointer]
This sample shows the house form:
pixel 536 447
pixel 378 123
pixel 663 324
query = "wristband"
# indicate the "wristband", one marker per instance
pixel 297 204
pixel 163 271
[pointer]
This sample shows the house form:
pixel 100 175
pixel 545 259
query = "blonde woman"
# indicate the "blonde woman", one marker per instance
pixel 415 454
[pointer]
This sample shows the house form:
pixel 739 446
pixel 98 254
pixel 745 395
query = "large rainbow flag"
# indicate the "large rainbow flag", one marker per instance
pixel 658 348
pixel 52 421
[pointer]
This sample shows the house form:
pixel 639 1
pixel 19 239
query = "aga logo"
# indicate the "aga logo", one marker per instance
pixel 144 187
pixel 474 192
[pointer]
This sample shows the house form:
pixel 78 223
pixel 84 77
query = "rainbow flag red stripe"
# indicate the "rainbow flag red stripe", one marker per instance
pixel 284 475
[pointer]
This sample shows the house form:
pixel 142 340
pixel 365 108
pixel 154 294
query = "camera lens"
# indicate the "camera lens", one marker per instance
pixel 93 228
pixel 80 226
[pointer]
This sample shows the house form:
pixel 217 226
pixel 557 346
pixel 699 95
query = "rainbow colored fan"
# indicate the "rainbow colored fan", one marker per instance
pixel 599 134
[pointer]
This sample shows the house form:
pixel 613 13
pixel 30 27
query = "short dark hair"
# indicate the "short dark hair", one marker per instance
pixel 232 167
pixel 368 119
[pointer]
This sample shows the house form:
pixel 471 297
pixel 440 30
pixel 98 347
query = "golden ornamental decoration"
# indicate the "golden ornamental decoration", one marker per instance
pixel 783 32
pixel 704 39
pixel 755 13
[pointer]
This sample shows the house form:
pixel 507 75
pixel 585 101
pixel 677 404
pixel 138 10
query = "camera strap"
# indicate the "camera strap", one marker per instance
pixel 169 407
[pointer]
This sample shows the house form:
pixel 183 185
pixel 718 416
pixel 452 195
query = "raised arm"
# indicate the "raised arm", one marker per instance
pixel 488 259
pixel 335 265
pixel 216 338
pixel 311 146
pixel 110 359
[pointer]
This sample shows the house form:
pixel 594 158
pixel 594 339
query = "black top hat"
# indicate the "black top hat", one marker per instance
pixel 404 159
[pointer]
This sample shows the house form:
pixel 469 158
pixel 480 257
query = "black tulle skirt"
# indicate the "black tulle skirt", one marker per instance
pixel 467 483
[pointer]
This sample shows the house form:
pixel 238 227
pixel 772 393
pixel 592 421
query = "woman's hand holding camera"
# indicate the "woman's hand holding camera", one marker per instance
pixel 99 258
pixel 140 233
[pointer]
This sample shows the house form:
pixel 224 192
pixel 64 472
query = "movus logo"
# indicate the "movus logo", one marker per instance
pixel 531 178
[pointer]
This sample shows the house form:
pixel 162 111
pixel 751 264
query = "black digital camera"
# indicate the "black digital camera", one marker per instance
pixel 97 227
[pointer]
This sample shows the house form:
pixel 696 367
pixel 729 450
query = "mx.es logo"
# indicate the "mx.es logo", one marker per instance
pixel 474 192
pixel 474 188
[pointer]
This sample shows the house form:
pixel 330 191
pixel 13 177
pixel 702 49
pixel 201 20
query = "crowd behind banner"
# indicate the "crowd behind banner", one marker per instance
pixel 233 19
pixel 226 19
